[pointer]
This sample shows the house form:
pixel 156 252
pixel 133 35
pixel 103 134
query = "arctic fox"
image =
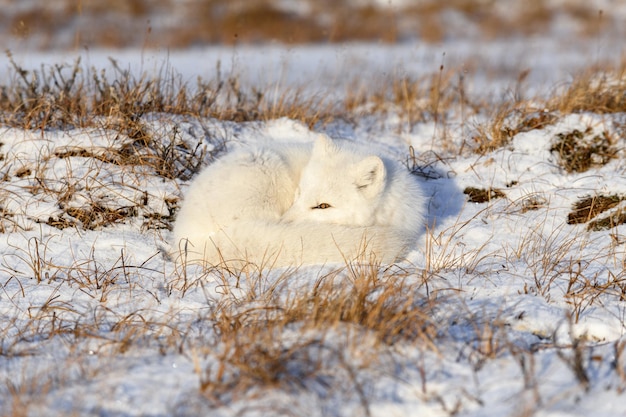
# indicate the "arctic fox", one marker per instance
pixel 295 204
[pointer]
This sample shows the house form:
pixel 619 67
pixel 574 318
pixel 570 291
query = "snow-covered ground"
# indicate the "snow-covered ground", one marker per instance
pixel 491 67
pixel 529 315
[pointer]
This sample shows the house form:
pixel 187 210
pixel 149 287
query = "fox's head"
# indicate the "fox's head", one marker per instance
pixel 338 185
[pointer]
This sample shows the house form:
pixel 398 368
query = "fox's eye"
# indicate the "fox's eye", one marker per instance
pixel 322 206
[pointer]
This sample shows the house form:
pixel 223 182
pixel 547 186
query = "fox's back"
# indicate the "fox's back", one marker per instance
pixel 247 184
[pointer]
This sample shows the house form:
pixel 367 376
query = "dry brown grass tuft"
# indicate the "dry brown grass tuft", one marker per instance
pixel 508 120
pixel 598 90
pixel 293 342
pixel 608 222
pixel 479 195
pixel 589 207
pixel 579 151
pixel 586 286
pixel 430 98
pixel 95 216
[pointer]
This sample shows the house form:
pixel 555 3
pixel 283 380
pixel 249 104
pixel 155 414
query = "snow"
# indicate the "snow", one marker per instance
pixel 495 63
pixel 494 262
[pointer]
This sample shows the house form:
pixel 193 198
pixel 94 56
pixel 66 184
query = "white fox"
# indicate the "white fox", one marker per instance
pixel 294 204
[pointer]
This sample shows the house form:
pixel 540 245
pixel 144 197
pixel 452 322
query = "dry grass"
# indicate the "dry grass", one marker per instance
pixel 260 335
pixel 556 271
pixel 479 195
pixel 588 210
pixel 597 90
pixel 141 23
pixel 586 287
pixel 365 304
pixel 590 207
pixel 579 151
pixel 601 90
pixel 264 333
pixel 66 96
pixel 430 98
pixel 508 120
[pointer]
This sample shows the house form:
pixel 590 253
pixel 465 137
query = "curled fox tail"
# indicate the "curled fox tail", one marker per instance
pixel 265 244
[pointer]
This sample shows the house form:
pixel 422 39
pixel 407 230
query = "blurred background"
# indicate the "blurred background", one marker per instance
pixel 74 24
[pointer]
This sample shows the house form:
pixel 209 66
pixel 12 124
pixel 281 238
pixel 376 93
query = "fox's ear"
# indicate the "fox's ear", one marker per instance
pixel 323 145
pixel 370 176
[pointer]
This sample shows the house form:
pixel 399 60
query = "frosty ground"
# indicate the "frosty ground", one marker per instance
pixel 524 304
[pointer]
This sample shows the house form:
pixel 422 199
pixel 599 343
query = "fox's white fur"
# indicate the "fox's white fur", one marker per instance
pixel 295 204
